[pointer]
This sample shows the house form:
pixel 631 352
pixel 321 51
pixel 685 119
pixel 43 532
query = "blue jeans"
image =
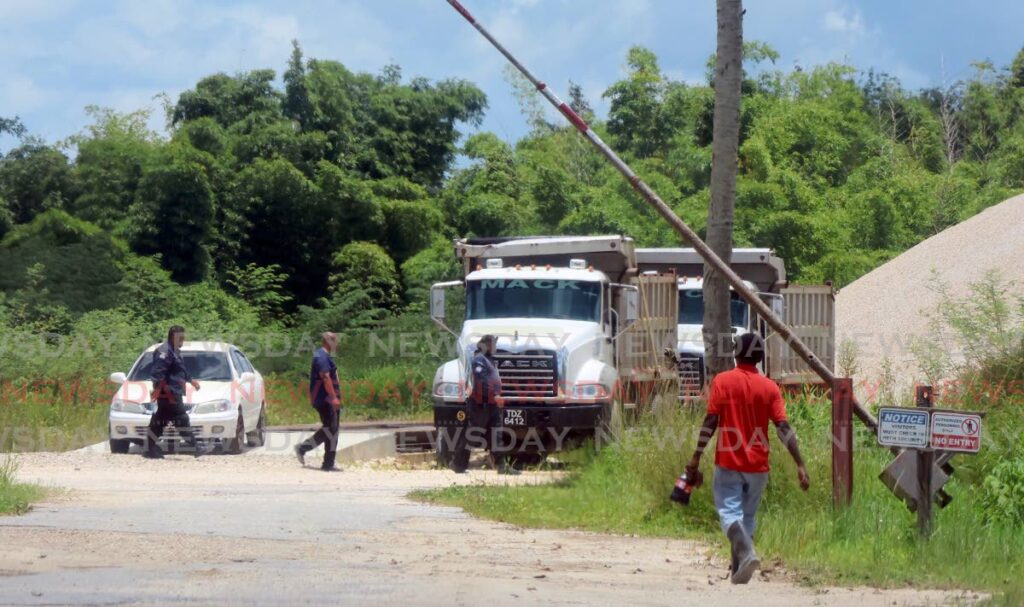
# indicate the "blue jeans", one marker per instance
pixel 737 495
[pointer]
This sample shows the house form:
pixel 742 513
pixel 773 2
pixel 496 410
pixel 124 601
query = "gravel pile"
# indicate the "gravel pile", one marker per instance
pixel 885 310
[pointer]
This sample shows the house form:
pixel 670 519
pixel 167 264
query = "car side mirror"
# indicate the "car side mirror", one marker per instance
pixel 118 378
pixel 246 377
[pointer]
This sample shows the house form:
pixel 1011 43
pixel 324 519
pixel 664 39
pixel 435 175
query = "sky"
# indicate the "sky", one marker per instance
pixel 58 56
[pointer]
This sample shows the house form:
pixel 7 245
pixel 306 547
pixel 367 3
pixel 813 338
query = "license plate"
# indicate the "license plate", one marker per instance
pixel 514 417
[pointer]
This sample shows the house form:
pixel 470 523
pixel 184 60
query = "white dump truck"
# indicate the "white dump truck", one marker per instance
pixel 809 309
pixel 577 327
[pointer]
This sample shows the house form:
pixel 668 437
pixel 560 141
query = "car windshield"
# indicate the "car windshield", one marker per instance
pixel 208 366
pixel 691 308
pixel 537 298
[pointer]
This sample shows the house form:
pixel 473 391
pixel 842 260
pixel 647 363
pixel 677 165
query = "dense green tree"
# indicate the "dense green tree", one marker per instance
pixel 113 154
pixel 259 185
pixel 286 223
pixel 12 126
pixel 433 264
pixel 637 118
pixel 229 99
pixel 368 267
pixel 173 215
pixel 364 290
pixel 262 288
pixel 297 105
pixel 82 263
pixel 35 177
pixel 352 202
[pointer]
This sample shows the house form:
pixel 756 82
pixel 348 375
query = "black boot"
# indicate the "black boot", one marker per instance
pixel 199 448
pixel 746 561
pixel 152 450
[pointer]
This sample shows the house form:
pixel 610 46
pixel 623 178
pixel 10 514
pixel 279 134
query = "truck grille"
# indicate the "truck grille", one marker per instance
pixel 691 375
pixel 530 374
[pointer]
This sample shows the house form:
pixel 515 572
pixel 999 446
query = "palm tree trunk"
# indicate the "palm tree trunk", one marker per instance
pixel 728 78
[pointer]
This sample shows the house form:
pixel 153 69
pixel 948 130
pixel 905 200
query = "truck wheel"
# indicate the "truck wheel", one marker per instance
pixel 444 445
pixel 120 446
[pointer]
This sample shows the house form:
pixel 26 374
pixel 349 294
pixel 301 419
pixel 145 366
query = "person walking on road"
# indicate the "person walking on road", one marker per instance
pixel 323 395
pixel 484 406
pixel 740 405
pixel 170 378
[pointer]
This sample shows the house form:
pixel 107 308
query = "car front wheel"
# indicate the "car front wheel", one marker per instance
pixel 258 437
pixel 120 446
pixel 234 446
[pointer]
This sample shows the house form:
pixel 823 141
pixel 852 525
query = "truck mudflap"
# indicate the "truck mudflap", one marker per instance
pixel 583 417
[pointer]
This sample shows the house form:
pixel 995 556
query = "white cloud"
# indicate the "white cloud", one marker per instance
pixel 22 92
pixel 844 21
pixel 20 12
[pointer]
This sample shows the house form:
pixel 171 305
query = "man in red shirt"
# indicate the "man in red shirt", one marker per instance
pixel 741 403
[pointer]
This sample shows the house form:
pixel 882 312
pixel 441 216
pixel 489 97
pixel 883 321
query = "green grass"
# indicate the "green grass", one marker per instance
pixel 625 488
pixel 15 498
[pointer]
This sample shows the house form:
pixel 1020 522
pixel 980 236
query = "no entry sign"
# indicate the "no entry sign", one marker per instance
pixel 956 431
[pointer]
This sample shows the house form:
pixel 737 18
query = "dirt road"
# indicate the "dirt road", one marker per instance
pixel 260 530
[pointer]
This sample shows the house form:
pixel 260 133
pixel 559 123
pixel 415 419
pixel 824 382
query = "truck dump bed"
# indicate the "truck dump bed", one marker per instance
pixel 613 255
pixel 760 266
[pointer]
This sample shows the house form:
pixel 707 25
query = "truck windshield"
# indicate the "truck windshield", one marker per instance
pixel 539 298
pixel 691 308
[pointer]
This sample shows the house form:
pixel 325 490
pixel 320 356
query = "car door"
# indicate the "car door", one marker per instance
pixel 246 390
pixel 259 393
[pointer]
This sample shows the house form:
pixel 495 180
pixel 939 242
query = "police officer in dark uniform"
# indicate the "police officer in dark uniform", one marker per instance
pixel 169 377
pixel 482 425
pixel 324 393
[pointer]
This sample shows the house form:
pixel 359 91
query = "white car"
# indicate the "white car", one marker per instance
pixel 229 408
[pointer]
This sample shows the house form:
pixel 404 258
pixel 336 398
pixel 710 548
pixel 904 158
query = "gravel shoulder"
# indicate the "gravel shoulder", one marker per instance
pixel 261 530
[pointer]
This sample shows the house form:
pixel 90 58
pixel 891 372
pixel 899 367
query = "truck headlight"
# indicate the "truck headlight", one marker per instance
pixel 447 389
pixel 213 406
pixel 127 406
pixel 589 391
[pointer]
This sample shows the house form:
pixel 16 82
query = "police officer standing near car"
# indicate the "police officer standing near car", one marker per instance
pixel 170 378
pixel 482 425
pixel 323 395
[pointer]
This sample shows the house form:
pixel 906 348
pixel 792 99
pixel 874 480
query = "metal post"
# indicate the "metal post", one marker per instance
pixel 842 442
pixel 677 224
pixel 925 461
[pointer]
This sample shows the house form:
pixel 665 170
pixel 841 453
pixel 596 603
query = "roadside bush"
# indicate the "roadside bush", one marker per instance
pixel 1002 497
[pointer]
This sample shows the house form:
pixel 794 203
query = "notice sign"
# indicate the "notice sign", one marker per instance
pixel 899 427
pixel 956 431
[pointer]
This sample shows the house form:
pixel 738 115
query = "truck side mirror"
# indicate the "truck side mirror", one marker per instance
pixel 775 302
pixel 437 304
pixel 632 302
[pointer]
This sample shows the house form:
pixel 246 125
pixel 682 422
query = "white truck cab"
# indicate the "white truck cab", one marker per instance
pixel 558 306
pixel 690 336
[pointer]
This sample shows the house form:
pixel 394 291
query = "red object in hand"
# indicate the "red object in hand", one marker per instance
pixel 684 487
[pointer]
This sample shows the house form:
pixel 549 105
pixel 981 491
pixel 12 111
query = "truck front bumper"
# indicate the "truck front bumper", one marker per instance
pixel 583 417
